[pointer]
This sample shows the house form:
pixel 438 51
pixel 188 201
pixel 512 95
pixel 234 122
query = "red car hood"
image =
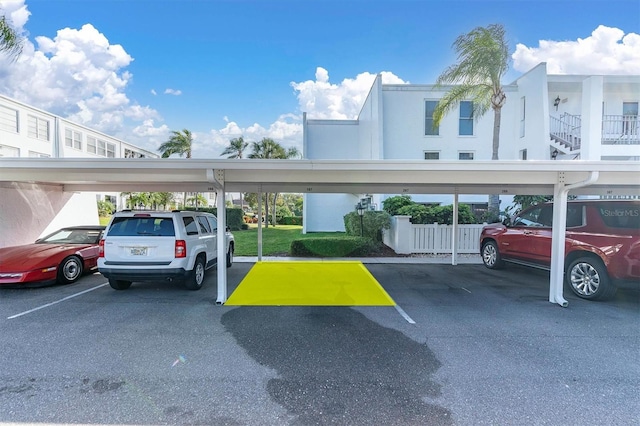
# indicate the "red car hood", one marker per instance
pixel 32 256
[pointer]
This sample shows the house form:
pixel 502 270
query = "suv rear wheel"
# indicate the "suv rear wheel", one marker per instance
pixel 119 284
pixel 196 278
pixel 230 256
pixel 587 277
pixel 491 256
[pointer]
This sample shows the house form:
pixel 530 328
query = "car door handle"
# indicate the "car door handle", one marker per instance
pixel 527 232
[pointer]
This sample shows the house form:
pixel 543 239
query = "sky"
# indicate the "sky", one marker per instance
pixel 139 69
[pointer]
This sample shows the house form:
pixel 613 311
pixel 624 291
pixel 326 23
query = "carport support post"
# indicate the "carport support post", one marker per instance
pixel 558 231
pixel 260 224
pixel 454 231
pixel 221 243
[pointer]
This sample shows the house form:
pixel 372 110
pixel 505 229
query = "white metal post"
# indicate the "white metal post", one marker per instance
pixel 454 231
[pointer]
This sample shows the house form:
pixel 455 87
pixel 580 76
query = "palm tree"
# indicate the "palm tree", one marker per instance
pixel 267 149
pixel 10 41
pixel 179 143
pixel 483 59
pixel 288 154
pixel 235 149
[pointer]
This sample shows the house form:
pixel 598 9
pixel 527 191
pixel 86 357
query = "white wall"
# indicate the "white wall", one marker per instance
pixel 29 211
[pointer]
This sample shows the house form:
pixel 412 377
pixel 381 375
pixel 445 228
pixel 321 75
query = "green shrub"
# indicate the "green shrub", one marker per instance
pixel 235 216
pixel 373 222
pixel 290 220
pixel 105 208
pixel 333 247
pixel 392 205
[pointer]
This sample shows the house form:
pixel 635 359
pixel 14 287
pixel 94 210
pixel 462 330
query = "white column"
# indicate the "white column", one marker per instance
pixel 454 231
pixel 221 239
pixel 591 118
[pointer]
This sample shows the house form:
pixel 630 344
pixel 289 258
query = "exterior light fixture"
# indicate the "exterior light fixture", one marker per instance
pixel 554 154
pixel 556 102
pixel 360 208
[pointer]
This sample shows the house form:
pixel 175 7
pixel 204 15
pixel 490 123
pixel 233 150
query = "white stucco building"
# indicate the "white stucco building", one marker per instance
pixel 545 116
pixel 26 131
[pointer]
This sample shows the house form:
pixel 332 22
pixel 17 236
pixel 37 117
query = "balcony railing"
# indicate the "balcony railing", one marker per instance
pixel 566 130
pixel 620 130
pixel 616 130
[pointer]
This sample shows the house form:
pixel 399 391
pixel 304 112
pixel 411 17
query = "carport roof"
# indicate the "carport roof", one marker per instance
pixel 323 176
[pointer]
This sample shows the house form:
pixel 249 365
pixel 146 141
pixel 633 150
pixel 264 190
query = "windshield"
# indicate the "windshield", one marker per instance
pixel 73 236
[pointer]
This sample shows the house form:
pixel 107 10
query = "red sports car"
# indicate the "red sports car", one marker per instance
pixel 59 257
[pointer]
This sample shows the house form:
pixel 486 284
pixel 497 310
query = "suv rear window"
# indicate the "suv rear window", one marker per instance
pixel 136 226
pixel 620 217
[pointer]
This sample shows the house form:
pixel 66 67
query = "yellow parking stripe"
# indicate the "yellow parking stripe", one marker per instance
pixel 310 283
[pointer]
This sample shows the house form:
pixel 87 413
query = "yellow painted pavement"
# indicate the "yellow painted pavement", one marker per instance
pixel 310 283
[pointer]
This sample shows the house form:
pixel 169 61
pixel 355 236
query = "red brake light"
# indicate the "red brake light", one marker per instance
pixel 101 248
pixel 142 215
pixel 181 248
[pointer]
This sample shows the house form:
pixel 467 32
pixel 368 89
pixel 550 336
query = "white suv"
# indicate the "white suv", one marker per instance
pixel 160 246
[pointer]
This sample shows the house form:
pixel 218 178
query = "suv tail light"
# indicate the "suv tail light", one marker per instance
pixel 101 249
pixel 181 248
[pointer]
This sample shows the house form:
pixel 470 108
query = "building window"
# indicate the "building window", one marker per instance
pixel 8 119
pixel 34 154
pixel 9 151
pixel 465 156
pixel 129 153
pixel 465 128
pixel 429 130
pixel 37 128
pixel 522 116
pixel 523 154
pixel 100 147
pixel 73 139
pixel 431 155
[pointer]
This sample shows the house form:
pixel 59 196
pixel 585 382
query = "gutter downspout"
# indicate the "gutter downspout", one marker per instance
pixel 558 234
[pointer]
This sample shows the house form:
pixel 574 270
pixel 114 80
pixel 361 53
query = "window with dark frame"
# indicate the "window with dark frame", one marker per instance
pixel 465 126
pixel 429 108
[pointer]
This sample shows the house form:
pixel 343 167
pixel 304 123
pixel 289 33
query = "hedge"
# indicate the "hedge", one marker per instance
pixel 333 247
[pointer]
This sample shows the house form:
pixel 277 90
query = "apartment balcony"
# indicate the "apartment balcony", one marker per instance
pixel 616 130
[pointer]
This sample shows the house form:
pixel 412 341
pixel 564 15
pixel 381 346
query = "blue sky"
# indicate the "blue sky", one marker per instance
pixel 137 69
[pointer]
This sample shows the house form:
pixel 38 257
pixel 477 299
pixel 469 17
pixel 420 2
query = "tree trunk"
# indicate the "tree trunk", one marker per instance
pixel 266 210
pixel 275 198
pixel 493 205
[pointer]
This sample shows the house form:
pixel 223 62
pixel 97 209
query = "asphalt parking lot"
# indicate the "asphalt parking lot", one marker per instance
pixel 485 348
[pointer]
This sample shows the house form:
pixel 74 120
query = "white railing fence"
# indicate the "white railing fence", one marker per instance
pixel 407 238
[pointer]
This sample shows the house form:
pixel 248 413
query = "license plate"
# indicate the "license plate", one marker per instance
pixel 138 251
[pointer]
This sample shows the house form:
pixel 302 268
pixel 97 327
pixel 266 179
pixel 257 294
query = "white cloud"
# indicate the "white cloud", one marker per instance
pixel 173 92
pixel 16 13
pixel 153 92
pixel 77 74
pixel 322 100
pixel 606 51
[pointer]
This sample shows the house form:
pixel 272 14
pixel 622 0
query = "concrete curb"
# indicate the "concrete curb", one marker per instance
pixel 426 259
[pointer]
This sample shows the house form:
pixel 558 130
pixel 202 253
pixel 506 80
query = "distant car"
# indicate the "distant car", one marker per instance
pixel 173 246
pixel 61 257
pixel 602 243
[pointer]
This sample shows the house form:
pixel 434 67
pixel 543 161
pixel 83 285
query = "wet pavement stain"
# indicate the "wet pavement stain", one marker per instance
pixel 336 366
pixel 106 385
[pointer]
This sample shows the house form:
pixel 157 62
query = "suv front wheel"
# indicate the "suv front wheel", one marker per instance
pixel 587 277
pixel 196 278
pixel 491 256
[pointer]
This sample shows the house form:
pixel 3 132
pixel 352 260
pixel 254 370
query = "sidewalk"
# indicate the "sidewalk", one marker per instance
pixel 414 259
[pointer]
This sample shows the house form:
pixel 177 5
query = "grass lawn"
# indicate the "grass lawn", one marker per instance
pixel 275 241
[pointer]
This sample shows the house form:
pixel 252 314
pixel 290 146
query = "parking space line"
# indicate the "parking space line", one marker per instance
pixel 404 315
pixel 56 302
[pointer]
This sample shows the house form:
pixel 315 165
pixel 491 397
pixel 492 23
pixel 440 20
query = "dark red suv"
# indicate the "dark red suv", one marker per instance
pixel 602 243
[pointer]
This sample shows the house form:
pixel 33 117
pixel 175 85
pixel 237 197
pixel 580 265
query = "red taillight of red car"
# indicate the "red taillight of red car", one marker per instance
pixel 101 248
pixel 181 248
